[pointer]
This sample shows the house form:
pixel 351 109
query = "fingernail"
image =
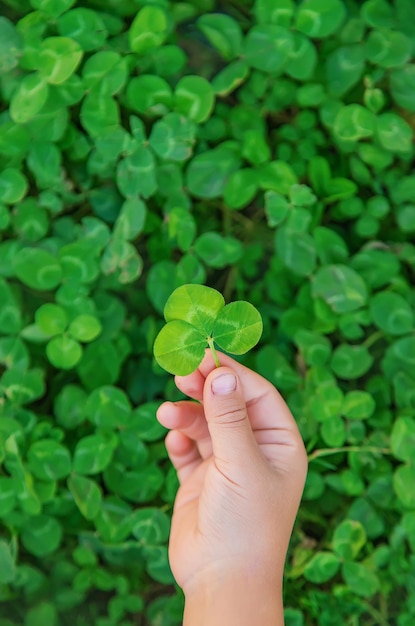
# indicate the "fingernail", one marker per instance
pixel 224 384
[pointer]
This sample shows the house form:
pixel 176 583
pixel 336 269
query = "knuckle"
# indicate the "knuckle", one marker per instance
pixel 231 415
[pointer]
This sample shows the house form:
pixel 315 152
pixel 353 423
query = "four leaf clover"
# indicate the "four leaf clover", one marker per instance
pixel 197 317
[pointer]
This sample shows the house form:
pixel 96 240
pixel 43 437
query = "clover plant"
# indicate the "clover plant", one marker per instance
pixel 259 149
pixel 197 317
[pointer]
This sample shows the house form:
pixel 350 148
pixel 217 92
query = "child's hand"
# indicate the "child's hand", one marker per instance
pixel 242 465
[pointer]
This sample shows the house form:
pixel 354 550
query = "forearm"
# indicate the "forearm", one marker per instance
pixel 242 600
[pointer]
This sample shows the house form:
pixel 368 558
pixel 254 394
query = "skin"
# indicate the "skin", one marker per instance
pixel 242 465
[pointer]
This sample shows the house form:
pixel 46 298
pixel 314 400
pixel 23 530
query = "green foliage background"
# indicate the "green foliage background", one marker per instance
pixel 265 149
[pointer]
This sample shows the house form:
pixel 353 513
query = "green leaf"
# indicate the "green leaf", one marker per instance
pixel 302 195
pixel 140 485
pixel 255 147
pixel 181 228
pixel 330 247
pixel 92 454
pixel 377 13
pixel 360 579
pixel 30 220
pixel 168 60
pixel 320 18
pixel 29 98
pixel 58 59
pixel 173 137
pixel 405 216
pixel 391 313
pixel 341 287
pixel 302 59
pixel 315 348
pixel 268 47
pixel 5 217
pixel 402 82
pixel 49 460
pixel 353 122
pixel 7 497
pixel 122 259
pixel 78 263
pixel 64 352
pixel 151 526
pixel 333 431
pixel 230 78
pixel 344 68
pixel 194 97
pixel 267 12
pixel 114 521
pixel 241 188
pixel 131 219
pixel 350 362
pixel 403 438
pixel 238 327
pixel 87 495
pixel 377 267
pixel 7 564
pixel 99 113
pixel 374 100
pixel 149 95
pixel 208 173
pixel 11 45
pixel 136 174
pixel 296 250
pixel 22 387
pixel 52 7
pixel 43 613
pixel 277 176
pixel 195 304
pixel 44 161
pixel 403 480
pixel 145 424
pixel 326 403
pixel 158 564
pixel 394 133
pixel 400 357
pixel 13 353
pixel 358 405
pixel 41 535
pixel 10 314
pixel 85 328
pixel 179 347
pixel 276 208
pixel 148 29
pixel 51 318
pixel 348 539
pixel 223 32
pixel 84 26
pixel 322 567
pixel 275 367
pixel 388 48
pixel 108 407
pixel 106 71
pixel 69 406
pixel 218 251
pixel 13 185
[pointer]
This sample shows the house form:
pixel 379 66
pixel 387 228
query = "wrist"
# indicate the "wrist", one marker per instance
pixel 238 598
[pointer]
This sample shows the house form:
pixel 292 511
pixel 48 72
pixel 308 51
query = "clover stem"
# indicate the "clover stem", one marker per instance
pixel 212 348
pixel 329 451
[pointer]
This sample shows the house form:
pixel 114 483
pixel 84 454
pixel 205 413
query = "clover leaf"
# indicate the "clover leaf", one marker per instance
pixel 197 317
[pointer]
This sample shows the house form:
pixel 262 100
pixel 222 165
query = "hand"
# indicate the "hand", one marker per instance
pixel 242 465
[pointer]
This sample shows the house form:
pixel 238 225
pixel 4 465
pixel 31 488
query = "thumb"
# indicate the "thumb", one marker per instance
pixel 230 429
